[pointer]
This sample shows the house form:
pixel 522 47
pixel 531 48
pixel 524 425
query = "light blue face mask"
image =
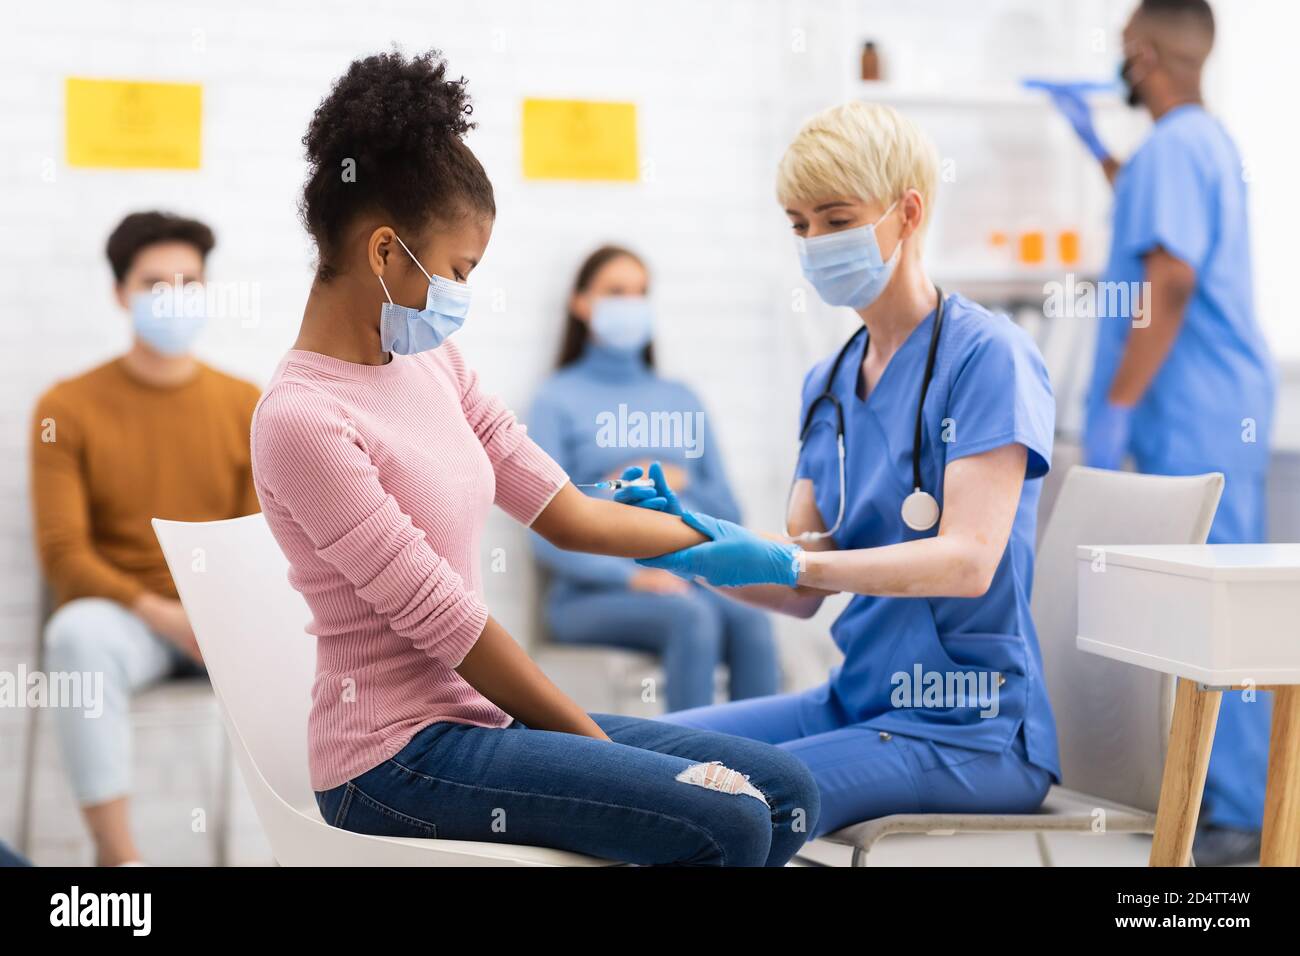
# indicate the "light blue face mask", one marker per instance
pixel 167 323
pixel 846 268
pixel 405 331
pixel 623 322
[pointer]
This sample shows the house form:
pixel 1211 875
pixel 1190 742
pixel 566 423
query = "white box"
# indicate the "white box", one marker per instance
pixel 1222 614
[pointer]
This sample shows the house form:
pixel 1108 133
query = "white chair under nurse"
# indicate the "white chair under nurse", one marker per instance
pixel 250 624
pixel 1112 719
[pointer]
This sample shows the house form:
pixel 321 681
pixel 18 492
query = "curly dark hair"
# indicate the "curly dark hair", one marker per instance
pixel 400 122
pixel 142 229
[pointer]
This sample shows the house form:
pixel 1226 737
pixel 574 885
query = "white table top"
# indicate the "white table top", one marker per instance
pixel 1222 614
pixel 1217 562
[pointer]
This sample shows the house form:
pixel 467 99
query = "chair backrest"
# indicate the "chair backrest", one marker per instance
pixel 251 626
pixel 1112 718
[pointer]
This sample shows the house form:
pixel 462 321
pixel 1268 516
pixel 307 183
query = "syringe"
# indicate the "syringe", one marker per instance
pixel 614 484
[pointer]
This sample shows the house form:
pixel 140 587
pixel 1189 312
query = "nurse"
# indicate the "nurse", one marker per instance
pixel 940 703
pixel 1186 385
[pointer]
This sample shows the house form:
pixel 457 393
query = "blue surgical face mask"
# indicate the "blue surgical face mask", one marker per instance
pixel 168 323
pixel 846 268
pixel 405 331
pixel 623 322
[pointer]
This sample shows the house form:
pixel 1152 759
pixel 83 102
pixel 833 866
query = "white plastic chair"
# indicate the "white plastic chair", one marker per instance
pixel 1112 719
pixel 250 625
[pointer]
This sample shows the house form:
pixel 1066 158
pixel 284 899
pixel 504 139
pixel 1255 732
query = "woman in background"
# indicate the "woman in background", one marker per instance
pixel 606 376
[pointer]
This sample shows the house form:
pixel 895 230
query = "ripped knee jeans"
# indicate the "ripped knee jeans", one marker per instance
pixel 653 794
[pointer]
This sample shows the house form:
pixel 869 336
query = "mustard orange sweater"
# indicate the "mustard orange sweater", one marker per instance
pixel 110 452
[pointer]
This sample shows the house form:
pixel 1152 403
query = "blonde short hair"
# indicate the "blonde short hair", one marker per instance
pixel 865 150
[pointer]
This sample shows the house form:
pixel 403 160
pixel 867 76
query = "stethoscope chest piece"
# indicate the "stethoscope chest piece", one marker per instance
pixel 920 511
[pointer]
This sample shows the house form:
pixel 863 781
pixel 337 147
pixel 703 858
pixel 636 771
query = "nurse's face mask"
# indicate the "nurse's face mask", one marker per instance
pixel 1130 76
pixel 1140 60
pixel 405 331
pixel 847 268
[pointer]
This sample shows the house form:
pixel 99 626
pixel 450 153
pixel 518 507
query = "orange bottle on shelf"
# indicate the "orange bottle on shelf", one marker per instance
pixel 1033 247
pixel 1067 247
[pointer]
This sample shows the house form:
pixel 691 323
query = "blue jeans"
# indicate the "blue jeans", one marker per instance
pixel 691 633
pixel 862 773
pixel 642 798
pixel 9 857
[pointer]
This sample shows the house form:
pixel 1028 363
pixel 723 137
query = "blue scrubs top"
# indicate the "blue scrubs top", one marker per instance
pixel 990 388
pixel 1210 407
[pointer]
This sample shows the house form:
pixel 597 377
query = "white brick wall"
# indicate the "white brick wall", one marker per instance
pixel 703 76
pixel 720 87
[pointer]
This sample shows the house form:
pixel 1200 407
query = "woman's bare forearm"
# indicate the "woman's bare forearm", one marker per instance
pixel 499 669
pixel 981 495
pixel 575 522
pixel 943 566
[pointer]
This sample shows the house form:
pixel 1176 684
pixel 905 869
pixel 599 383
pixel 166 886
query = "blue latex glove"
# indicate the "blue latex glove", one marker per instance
pixel 1105 438
pixel 1070 99
pixel 733 558
pixel 658 498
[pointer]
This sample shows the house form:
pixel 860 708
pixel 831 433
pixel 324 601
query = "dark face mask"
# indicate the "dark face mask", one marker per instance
pixel 1131 95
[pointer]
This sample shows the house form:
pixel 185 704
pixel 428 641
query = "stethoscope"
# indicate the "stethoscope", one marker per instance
pixel 920 510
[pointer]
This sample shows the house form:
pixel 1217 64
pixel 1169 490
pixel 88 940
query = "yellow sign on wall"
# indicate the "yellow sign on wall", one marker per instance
pixel 118 124
pixel 580 139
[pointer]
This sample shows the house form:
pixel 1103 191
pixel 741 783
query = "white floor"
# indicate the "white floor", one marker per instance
pixel 1119 849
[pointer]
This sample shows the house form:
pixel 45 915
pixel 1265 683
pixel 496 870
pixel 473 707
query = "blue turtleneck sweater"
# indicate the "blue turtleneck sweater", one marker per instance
pixel 609 410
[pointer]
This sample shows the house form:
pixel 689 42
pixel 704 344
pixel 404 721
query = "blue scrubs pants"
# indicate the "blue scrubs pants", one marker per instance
pixel 863 774
pixel 1238 772
pixel 692 633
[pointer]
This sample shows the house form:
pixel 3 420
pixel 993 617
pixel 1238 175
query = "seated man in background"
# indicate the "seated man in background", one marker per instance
pixel 152 433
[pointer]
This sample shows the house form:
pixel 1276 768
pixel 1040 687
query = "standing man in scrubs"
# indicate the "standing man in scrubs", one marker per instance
pixel 1184 381
pixel 940 703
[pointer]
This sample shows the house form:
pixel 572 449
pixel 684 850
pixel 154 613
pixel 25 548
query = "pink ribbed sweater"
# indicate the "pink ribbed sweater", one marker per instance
pixel 376 481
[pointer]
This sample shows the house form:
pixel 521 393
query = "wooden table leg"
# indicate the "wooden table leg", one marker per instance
pixel 1196 712
pixel 1281 838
